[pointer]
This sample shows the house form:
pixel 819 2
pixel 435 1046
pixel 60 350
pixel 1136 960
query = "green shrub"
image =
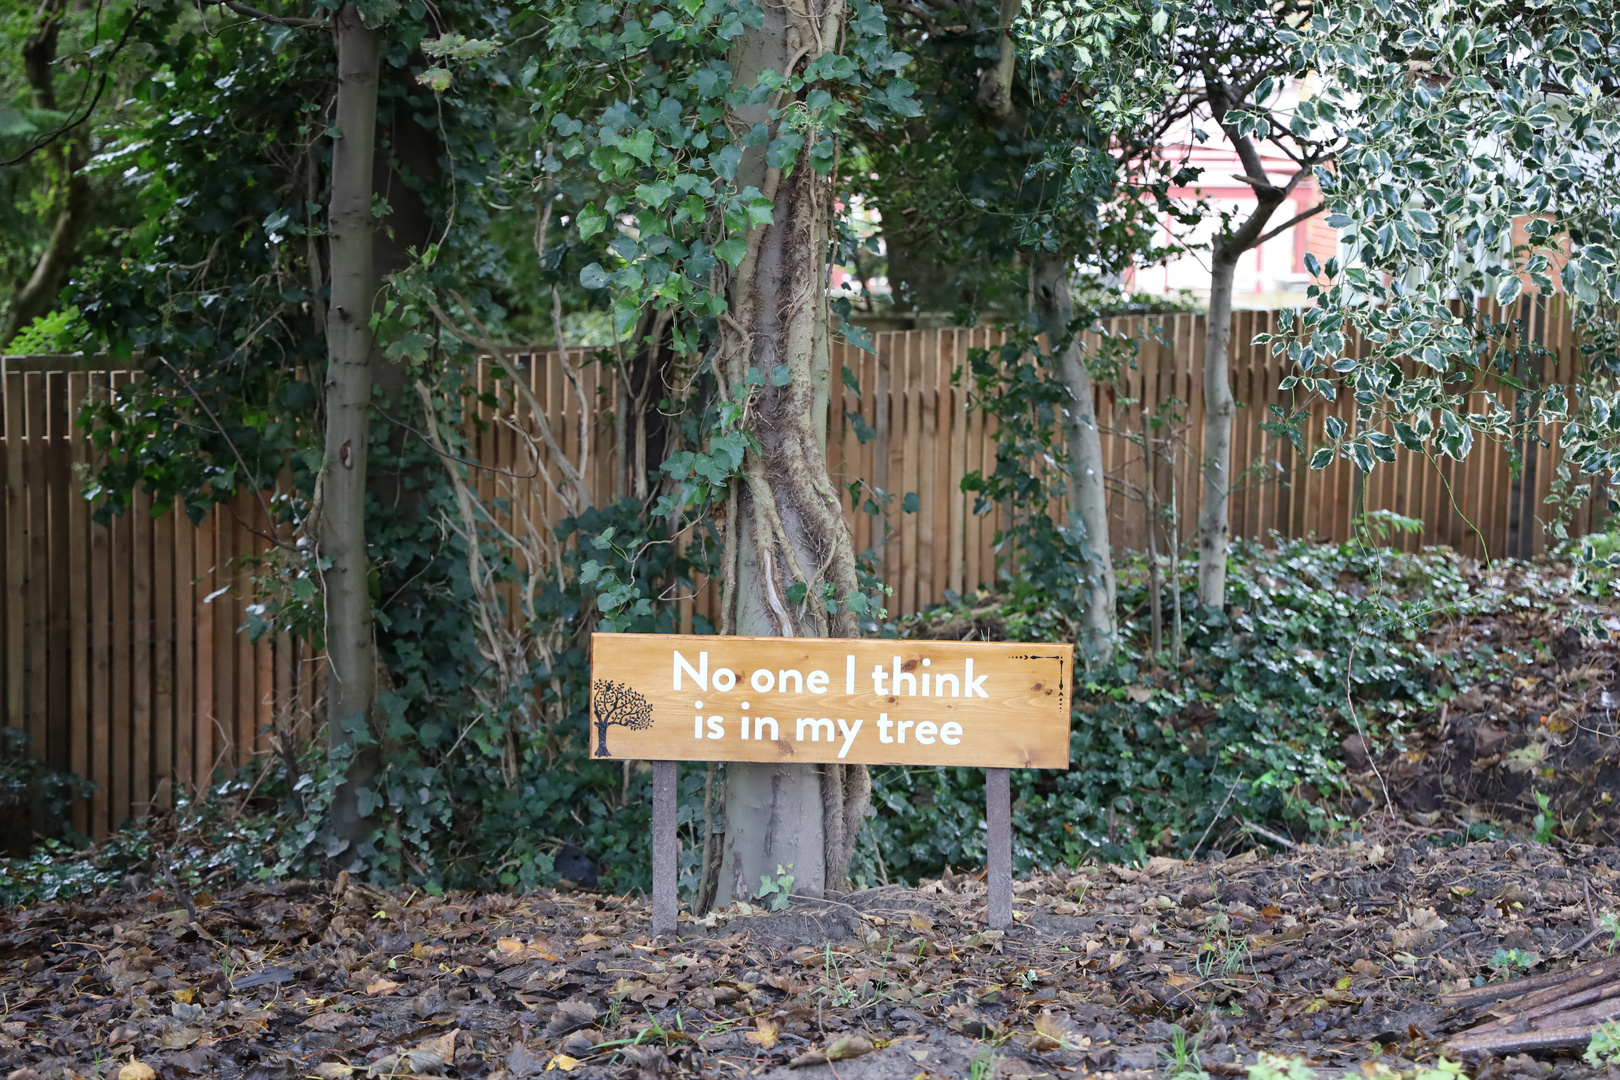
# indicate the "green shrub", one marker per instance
pixel 1247 730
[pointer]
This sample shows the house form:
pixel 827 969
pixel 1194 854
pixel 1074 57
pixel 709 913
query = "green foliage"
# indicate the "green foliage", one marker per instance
pixel 1544 822
pixel 34 798
pixel 1016 385
pixel 1475 159
pixel 777 889
pixel 1508 964
pixel 1605 1044
pixel 57 332
pixel 1248 729
pixel 58 871
pixel 1609 923
pixel 1181 1060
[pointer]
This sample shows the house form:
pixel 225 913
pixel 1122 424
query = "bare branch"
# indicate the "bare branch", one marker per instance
pixel 248 12
pixel 1291 222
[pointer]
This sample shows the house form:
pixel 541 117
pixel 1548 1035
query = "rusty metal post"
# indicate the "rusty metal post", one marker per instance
pixel 665 860
pixel 998 846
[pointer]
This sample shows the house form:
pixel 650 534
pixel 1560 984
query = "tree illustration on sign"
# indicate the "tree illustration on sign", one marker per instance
pixel 617 703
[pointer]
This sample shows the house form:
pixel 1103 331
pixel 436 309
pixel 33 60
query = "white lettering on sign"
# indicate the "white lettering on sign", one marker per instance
pixel 995 704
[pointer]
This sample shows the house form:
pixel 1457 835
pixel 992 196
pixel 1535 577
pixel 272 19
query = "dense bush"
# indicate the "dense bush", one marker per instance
pixel 1247 729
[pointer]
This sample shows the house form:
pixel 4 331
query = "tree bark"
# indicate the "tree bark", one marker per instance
pixel 1214 526
pixel 1088 496
pixel 996 80
pixel 350 646
pixel 71 197
pixel 787 527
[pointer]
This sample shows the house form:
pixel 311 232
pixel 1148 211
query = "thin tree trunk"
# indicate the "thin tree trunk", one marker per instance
pixel 1088 496
pixel 788 527
pixel 1175 568
pixel 71 196
pixel 1150 506
pixel 1214 528
pixel 350 647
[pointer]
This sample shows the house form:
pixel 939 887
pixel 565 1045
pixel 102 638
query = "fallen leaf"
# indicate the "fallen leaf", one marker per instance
pixel 328 1021
pixel 592 939
pixel 180 1037
pixel 421 1059
pixel 1057 1031
pixel 765 1036
pixel 381 987
pixel 849 1046
pixel 334 1070
pixel 444 1045
pixel 840 1049
pixel 921 923
pixel 563 1062
pixel 570 1016
pixel 1424 918
pixel 137 1070
pixel 521 1061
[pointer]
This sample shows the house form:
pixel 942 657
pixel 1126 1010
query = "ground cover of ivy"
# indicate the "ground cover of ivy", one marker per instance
pixel 1244 731
pixel 1248 729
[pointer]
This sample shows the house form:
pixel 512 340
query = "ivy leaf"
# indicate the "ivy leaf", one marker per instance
pixel 639 145
pixel 591 222
pixel 910 503
pixel 732 251
pixel 376 12
pixel 655 194
pixel 781 376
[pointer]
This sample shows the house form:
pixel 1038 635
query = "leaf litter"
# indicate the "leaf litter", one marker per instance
pixel 1340 956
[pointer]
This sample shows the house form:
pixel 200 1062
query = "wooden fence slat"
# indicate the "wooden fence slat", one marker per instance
pixel 185 651
pixel 164 720
pixel 16 584
pixel 59 729
pixel 100 619
pixel 122 623
pixel 78 526
pixel 141 654
pixel 39 568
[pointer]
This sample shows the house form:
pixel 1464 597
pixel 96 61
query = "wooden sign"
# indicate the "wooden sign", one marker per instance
pixel 668 697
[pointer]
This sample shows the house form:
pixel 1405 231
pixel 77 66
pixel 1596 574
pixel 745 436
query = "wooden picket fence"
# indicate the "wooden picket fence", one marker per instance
pixel 122 650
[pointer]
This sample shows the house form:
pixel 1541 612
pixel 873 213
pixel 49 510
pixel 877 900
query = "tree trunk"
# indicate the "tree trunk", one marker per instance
pixel 996 80
pixel 1088 496
pixel 1214 528
pixel 787 526
pixel 350 648
pixel 71 197
pixel 38 295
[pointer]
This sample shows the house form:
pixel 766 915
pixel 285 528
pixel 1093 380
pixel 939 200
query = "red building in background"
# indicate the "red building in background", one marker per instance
pixel 1270 276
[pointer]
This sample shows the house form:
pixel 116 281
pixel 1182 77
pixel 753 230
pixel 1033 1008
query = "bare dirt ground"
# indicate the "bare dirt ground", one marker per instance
pixel 1332 954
